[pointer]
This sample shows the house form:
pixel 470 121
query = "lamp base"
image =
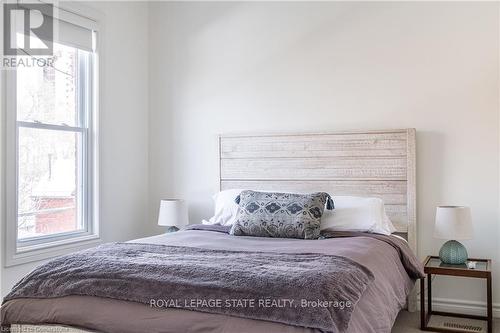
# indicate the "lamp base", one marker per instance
pixel 453 252
pixel 172 229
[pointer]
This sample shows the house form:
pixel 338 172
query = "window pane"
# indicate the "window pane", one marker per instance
pixel 50 94
pixel 49 183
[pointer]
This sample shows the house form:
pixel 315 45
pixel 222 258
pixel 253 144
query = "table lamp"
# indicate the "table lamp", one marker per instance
pixel 173 214
pixel 453 223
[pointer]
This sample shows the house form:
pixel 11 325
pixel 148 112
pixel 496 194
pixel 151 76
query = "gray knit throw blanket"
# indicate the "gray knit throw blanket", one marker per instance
pixel 308 289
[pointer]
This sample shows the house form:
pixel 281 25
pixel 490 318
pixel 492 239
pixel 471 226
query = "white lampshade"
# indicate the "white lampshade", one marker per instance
pixel 453 223
pixel 173 213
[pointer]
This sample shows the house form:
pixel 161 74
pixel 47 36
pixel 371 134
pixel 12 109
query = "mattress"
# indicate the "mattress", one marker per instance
pixel 376 311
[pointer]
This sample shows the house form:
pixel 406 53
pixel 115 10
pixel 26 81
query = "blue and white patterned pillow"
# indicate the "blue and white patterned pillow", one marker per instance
pixel 283 215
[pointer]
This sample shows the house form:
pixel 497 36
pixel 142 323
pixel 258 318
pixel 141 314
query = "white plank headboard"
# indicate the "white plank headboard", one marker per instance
pixel 368 163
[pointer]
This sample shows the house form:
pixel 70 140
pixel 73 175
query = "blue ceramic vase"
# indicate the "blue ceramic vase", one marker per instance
pixel 453 252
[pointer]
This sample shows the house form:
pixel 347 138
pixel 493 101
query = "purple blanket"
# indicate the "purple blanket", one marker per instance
pixel 412 265
pixel 307 289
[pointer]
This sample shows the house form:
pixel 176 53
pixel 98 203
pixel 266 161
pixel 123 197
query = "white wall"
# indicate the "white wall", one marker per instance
pixel 123 128
pixel 305 67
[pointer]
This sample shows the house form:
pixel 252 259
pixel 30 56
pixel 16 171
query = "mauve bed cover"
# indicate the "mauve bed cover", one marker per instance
pixel 375 312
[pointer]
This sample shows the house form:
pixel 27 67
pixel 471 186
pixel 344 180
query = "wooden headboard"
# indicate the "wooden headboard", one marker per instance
pixel 366 163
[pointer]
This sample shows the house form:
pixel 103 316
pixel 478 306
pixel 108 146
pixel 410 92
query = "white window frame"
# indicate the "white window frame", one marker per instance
pixel 39 248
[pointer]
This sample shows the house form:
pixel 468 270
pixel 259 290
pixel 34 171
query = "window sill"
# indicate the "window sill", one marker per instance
pixel 45 251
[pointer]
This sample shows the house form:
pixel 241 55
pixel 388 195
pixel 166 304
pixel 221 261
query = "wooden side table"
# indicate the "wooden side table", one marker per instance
pixel 434 265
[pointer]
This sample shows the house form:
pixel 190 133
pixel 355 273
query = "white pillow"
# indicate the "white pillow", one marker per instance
pixel 350 213
pixel 225 208
pixel 357 214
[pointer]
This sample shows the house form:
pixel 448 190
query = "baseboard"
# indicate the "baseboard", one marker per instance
pixel 462 306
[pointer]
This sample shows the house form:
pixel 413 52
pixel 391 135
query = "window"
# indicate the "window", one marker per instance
pixel 52 106
pixel 54 112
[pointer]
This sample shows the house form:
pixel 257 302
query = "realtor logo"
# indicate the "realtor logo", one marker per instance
pixel 28 29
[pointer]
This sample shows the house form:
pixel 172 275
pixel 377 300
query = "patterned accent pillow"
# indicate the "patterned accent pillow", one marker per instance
pixel 283 215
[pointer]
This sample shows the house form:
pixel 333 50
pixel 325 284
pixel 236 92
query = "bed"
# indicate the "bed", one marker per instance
pixel 376 163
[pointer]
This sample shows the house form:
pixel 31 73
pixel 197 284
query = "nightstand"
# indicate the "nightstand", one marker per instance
pixel 433 265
